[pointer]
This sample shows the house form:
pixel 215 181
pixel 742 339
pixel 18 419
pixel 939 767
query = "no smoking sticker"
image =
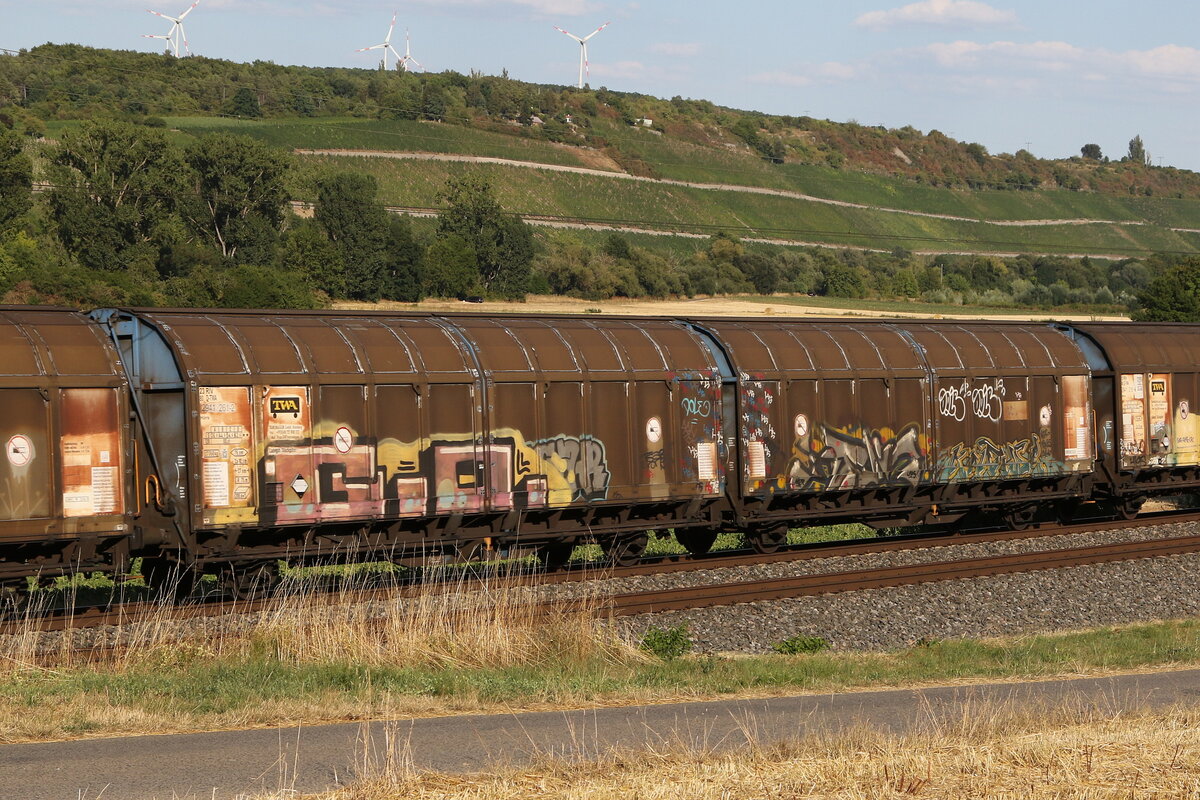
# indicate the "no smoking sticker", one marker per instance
pixel 343 439
pixel 19 450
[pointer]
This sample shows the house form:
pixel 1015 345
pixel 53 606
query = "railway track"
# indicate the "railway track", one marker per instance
pixel 717 593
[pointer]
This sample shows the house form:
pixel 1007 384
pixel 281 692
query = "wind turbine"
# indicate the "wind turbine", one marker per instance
pixel 584 67
pixel 386 46
pixel 408 59
pixel 176 36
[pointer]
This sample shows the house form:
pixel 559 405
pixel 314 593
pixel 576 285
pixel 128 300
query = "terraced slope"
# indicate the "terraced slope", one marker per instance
pixel 700 190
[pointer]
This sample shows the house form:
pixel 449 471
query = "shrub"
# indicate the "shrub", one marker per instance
pixel 801 645
pixel 667 643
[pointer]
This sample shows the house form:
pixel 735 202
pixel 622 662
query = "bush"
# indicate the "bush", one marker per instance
pixel 801 645
pixel 667 643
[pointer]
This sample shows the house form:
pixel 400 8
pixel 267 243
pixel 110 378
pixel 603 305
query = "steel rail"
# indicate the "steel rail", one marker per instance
pixel 888 577
pixel 139 611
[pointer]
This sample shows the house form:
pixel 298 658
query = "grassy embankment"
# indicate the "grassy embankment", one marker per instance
pixel 1070 752
pixel 318 658
pixel 679 160
pixel 689 210
pixel 699 211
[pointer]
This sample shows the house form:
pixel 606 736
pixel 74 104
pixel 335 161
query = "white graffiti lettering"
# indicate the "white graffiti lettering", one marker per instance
pixel 985 402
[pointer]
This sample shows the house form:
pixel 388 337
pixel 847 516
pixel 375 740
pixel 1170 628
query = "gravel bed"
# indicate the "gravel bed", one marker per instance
pixel 813 566
pixel 882 619
pixel 873 619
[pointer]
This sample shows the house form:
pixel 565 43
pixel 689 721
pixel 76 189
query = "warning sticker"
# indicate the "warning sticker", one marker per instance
pixel 706 461
pixel 19 450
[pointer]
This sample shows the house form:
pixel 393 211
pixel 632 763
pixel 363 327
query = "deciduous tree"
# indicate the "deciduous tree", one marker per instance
pixel 502 244
pixel 16 179
pixel 1173 296
pixel 238 196
pixel 114 184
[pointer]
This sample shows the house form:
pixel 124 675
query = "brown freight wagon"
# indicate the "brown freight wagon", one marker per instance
pixel 64 425
pixel 1147 386
pixel 896 422
pixel 272 435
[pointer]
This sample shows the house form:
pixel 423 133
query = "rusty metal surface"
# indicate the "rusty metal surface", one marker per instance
pixel 62 427
pixel 1156 384
pixel 835 405
pixel 1146 347
pixel 307 418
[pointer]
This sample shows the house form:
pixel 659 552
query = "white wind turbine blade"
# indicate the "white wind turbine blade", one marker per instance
pixel 593 33
pixel 183 37
pixel 568 33
pixel 392 27
pixel 189 10
pixel 399 58
pixel 164 16
pixel 372 47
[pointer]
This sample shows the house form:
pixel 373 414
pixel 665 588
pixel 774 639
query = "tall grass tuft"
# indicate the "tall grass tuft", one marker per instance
pixel 469 625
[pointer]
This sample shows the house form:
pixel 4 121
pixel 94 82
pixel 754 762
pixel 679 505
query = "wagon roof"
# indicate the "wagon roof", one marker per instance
pixel 49 343
pixel 1146 346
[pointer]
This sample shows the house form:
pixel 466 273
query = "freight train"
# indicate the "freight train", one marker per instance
pixel 224 441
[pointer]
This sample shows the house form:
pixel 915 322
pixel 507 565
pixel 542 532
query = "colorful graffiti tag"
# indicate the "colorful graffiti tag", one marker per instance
pixel 441 474
pixel 701 447
pixel 986 459
pixel 848 458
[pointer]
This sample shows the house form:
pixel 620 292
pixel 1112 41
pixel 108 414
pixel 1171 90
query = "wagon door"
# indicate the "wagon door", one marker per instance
pixel 344 455
pixel 25 469
pixel 288 478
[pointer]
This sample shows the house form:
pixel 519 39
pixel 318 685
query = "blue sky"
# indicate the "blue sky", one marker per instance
pixel 1050 75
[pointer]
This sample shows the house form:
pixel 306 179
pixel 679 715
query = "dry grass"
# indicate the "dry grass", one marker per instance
pixel 471 625
pixel 308 657
pixel 1066 753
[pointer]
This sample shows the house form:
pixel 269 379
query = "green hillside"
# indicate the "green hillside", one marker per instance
pixel 774 197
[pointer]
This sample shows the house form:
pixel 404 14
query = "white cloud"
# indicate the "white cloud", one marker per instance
pixel 676 48
pixel 1010 67
pixel 938 12
pixel 565 8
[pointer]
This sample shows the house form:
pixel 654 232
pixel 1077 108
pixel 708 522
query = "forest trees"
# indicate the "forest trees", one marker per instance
pixel 473 226
pixel 16 179
pixel 1173 296
pixel 237 196
pixel 114 188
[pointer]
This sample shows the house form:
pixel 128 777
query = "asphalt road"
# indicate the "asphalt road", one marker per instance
pixel 224 765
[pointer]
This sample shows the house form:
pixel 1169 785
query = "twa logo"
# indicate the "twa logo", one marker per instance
pixel 285 405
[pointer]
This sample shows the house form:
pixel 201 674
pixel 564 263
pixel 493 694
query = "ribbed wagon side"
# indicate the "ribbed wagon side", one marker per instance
pixel 1147 391
pixel 903 422
pixel 308 434
pixel 64 424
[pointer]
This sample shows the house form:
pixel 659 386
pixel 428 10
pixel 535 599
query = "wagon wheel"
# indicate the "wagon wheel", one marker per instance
pixel 169 580
pixel 250 581
pixel 555 555
pixel 1128 507
pixel 1021 517
pixel 698 541
pixel 767 540
pixel 627 549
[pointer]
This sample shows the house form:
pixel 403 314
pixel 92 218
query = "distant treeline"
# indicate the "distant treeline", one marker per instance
pixel 127 217
pixel 76 82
